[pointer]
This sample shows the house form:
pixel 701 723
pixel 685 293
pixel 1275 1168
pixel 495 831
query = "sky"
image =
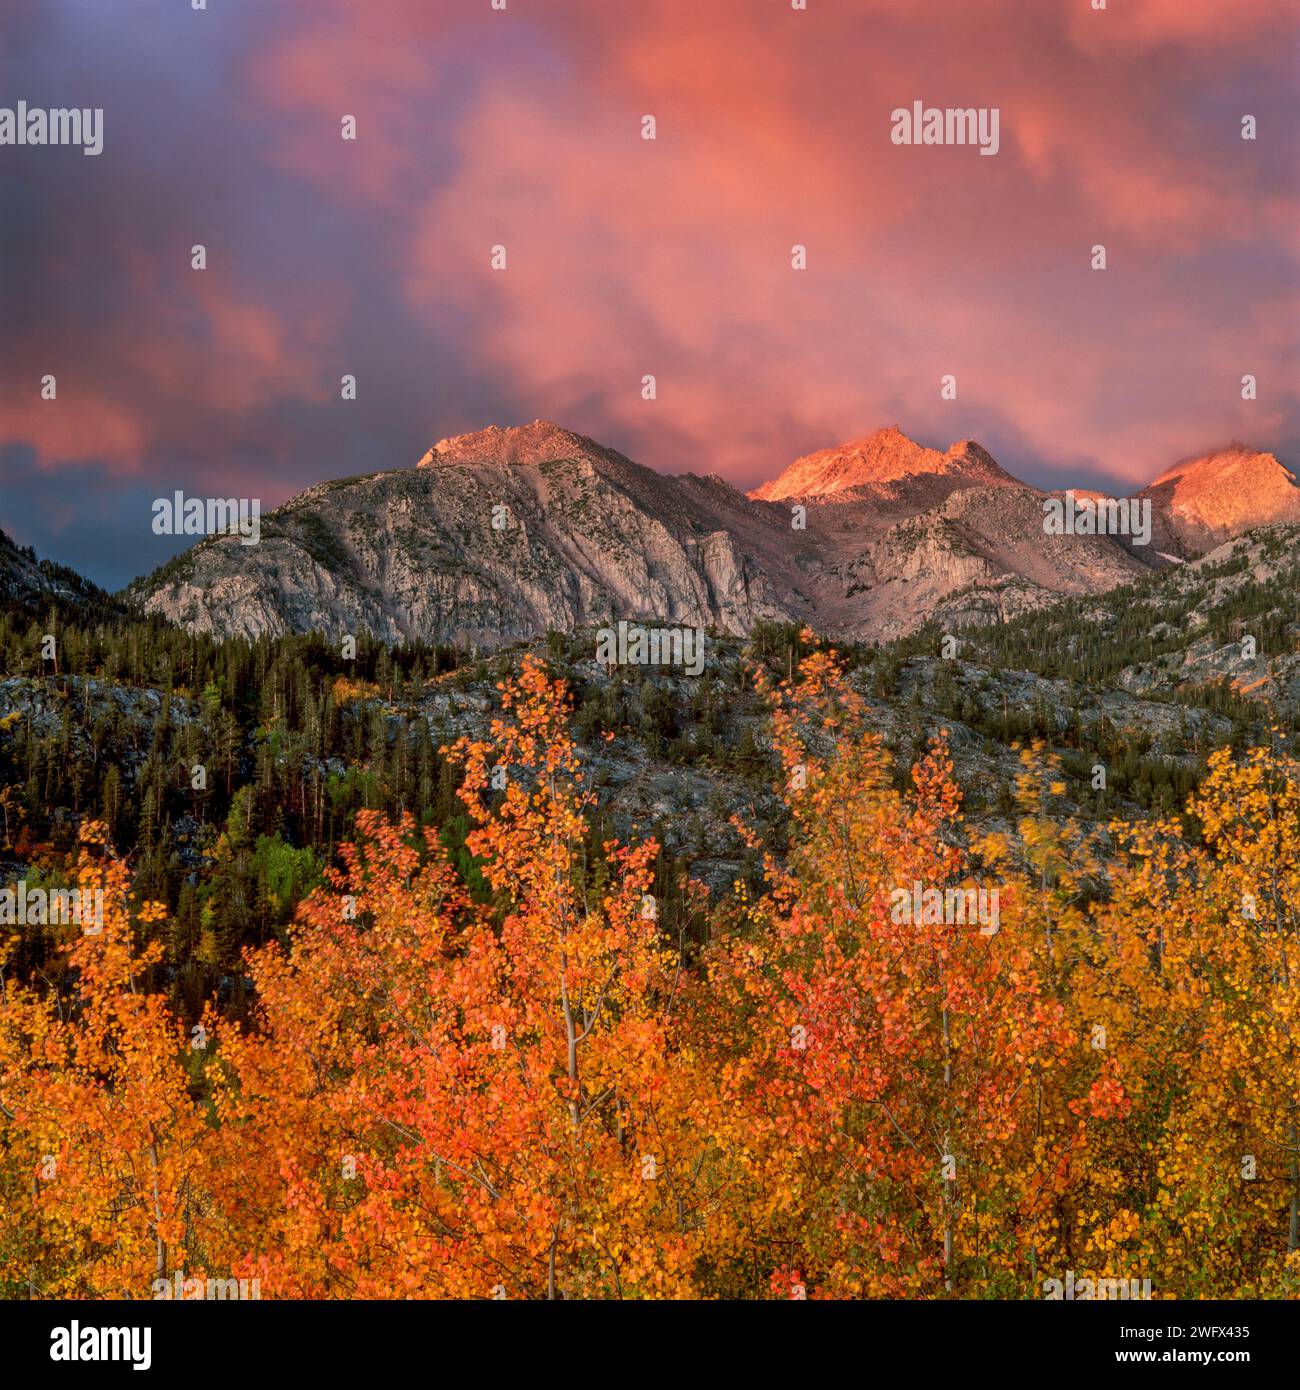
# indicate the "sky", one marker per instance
pixel 626 257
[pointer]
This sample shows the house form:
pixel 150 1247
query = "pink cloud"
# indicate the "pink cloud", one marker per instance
pixel 628 257
pixel 672 257
pixel 214 354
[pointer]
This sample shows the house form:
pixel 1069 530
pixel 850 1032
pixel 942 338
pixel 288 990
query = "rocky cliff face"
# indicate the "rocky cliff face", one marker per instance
pixel 480 544
pixel 503 534
pixel 979 556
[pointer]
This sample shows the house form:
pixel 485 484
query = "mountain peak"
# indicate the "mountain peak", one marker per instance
pixel 895 534
pixel 1214 496
pixel 885 457
pixel 1233 462
pixel 542 441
